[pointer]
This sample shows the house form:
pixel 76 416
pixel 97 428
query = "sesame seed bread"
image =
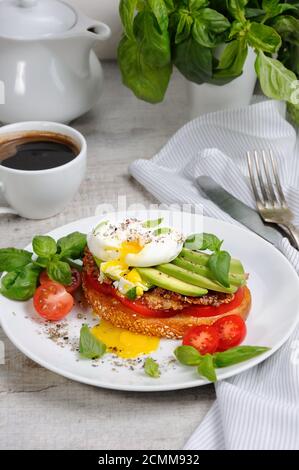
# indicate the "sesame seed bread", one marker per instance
pixel 113 310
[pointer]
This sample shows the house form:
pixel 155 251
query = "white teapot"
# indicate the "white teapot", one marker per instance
pixel 48 69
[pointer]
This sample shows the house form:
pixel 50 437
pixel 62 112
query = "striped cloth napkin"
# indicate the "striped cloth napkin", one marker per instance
pixel 258 409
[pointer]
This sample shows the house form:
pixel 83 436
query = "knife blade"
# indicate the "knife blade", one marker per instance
pixel 238 210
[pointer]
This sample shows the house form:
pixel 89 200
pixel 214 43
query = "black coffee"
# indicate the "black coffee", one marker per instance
pixel 36 150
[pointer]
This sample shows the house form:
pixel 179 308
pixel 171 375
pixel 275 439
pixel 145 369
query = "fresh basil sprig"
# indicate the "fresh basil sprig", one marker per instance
pixel 219 261
pixel 151 368
pixel 206 365
pixel 160 34
pixel 219 264
pixel 90 347
pixel 20 284
pixel 44 246
pixel 23 270
pixel 12 258
pixel 203 241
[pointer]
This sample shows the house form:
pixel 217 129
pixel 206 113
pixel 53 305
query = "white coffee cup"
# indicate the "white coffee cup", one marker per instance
pixel 43 193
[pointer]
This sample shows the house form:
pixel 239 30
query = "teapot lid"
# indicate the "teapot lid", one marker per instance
pixel 35 18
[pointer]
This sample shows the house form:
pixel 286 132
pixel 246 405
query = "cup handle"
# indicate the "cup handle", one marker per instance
pixel 6 209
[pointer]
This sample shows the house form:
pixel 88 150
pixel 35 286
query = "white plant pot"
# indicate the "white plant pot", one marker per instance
pixel 207 98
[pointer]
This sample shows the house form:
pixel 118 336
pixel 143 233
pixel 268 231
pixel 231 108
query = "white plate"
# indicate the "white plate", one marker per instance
pixel 275 312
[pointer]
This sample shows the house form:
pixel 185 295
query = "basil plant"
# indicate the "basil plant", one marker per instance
pixel 161 34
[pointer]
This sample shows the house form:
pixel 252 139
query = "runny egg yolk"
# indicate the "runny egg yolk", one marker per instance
pixel 128 248
pixel 124 343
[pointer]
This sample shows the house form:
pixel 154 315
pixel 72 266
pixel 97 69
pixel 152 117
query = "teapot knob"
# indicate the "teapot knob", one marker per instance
pixel 27 3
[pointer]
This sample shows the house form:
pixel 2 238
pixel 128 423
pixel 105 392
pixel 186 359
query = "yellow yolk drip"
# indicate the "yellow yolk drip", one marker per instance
pixel 122 342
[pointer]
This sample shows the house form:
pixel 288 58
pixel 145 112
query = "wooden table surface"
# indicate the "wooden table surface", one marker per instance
pixel 41 410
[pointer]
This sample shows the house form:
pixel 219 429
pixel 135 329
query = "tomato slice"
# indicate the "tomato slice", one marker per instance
pixel 207 311
pixel 135 305
pixel 52 301
pixel 76 280
pixel 204 338
pixel 138 306
pixel 232 331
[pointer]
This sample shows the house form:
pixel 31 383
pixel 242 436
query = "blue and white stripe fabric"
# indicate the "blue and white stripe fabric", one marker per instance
pixel 258 409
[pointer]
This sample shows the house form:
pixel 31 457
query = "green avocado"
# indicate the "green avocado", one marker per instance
pixel 202 259
pixel 159 279
pixel 235 279
pixel 194 278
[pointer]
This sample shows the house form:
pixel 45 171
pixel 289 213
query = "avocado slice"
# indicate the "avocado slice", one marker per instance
pixel 159 279
pixel 235 279
pixel 197 257
pixel 194 278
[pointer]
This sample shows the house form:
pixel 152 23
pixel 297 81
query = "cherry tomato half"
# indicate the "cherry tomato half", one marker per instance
pixel 52 301
pixel 232 331
pixel 76 280
pixel 204 338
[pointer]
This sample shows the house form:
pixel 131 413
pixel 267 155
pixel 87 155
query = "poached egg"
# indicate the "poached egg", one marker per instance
pixel 120 247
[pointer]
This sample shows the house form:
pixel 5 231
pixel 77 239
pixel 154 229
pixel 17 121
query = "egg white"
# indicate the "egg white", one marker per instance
pixel 107 241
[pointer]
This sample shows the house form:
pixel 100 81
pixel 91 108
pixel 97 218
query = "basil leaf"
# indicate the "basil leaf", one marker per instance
pixel 254 12
pixel 188 355
pixel 154 44
pixel 184 25
pixel 237 355
pixel 60 271
pixel 126 12
pixel 12 259
pixel 132 294
pixel 274 7
pixel 237 9
pixel 72 246
pixel 195 5
pixel 276 80
pixel 44 246
pixel 152 223
pixel 42 262
pixel 159 9
pixel 263 37
pixel 206 368
pixel 288 28
pixel 193 60
pixel 203 241
pixel 151 368
pixel 89 346
pixel 219 264
pixel 147 82
pixel 21 284
pixel 232 60
pixel 209 26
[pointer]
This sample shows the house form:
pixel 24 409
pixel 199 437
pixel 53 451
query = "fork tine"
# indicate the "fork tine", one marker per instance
pixel 277 180
pixel 260 177
pixel 270 187
pixel 252 179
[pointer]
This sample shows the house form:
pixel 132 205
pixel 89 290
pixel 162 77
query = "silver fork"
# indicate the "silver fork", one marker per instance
pixel 271 203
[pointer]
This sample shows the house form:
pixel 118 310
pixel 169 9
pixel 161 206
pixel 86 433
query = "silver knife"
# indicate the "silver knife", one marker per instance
pixel 238 210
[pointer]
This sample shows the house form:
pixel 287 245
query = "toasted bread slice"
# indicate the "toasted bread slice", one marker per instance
pixel 113 310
